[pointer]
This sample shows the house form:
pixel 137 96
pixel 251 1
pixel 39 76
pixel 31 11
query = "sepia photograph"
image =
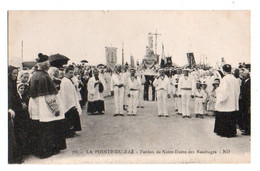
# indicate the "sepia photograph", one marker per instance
pixel 129 86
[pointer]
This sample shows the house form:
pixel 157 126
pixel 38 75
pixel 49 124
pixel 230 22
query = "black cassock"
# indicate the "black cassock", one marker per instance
pixel 98 105
pixel 245 106
pixel 48 138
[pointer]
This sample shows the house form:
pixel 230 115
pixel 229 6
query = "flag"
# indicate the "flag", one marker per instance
pixel 111 57
pixel 191 60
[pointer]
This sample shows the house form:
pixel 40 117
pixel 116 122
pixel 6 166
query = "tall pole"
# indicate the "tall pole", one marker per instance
pixel 155 45
pixel 123 58
pixel 22 50
pixel 163 55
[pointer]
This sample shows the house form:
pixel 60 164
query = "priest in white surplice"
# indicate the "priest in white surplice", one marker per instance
pixel 227 97
pixel 46 112
pixel 96 91
pixel 70 99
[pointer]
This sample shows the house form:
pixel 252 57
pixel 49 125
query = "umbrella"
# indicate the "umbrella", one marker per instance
pixel 100 65
pixel 28 64
pixel 58 60
pixel 84 61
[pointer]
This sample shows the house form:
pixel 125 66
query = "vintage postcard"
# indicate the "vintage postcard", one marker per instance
pixel 129 87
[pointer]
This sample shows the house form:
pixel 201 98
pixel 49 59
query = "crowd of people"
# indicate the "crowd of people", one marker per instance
pixel 224 93
pixel 45 103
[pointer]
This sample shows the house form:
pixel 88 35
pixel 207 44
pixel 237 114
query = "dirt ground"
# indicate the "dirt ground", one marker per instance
pixel 147 138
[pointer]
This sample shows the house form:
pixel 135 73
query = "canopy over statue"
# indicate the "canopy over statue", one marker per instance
pixel 150 58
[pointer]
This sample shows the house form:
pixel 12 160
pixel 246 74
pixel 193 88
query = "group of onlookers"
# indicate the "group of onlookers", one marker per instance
pixel 45 103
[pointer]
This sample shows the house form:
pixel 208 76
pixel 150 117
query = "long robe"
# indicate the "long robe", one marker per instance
pixel 227 95
pixel 95 97
pixel 22 126
pixel 14 151
pixel 69 95
pixel 245 105
pixel 48 129
pixel 70 100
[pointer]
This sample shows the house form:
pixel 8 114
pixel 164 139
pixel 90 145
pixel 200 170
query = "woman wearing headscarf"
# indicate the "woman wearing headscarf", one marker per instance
pixel 46 112
pixel 21 121
pixel 23 77
pixel 14 108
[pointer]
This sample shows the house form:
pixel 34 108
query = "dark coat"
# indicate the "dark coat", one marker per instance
pixel 245 96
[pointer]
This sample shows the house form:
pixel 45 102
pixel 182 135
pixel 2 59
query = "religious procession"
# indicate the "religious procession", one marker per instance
pixel 48 98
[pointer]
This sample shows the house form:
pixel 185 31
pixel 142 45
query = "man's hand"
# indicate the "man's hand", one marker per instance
pixel 57 113
pixel 12 113
pixel 169 96
pixel 24 106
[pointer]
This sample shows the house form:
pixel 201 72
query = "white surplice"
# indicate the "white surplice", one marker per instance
pixel 227 94
pixel 93 92
pixel 39 109
pixel 69 95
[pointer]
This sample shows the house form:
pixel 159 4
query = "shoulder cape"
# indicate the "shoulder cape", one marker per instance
pixel 41 84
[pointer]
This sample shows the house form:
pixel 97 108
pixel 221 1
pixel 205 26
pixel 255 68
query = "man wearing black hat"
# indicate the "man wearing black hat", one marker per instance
pixel 227 96
pixel 46 112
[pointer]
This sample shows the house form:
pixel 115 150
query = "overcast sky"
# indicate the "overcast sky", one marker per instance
pixel 85 34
